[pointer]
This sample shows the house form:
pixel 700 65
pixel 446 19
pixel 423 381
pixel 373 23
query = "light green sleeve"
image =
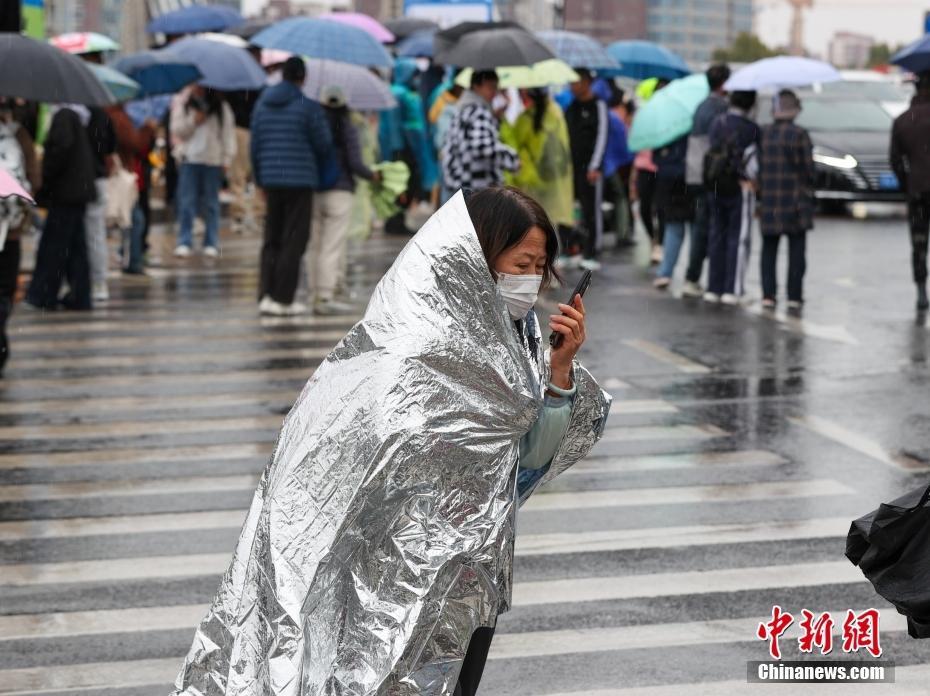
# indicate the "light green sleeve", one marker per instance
pixel 539 445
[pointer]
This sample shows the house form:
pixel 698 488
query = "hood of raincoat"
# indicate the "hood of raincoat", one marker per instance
pixel 381 533
pixel 405 69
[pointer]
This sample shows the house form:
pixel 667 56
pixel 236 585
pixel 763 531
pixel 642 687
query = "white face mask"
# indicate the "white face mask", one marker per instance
pixel 519 292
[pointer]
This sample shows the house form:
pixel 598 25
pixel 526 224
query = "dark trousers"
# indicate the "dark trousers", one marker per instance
pixel 287 229
pixel 473 666
pixel 9 273
pixel 62 253
pixel 728 243
pixel 700 229
pixel 797 264
pixel 646 190
pixel 918 210
pixel 591 198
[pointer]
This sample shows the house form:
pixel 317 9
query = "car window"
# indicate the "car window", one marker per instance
pixel 844 115
pixel 878 90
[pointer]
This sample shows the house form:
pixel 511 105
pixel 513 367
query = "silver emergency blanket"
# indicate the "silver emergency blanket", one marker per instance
pixel 381 534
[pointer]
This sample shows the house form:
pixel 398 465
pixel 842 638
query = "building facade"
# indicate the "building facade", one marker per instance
pixel 848 50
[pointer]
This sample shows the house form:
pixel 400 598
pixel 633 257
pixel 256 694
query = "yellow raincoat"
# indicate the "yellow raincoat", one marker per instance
pixel 545 161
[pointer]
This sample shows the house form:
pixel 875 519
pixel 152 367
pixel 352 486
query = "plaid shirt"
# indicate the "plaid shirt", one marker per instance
pixel 474 156
pixel 786 179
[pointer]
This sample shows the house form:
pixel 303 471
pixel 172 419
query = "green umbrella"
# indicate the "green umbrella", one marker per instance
pixel 121 87
pixel 542 74
pixel 394 179
pixel 669 114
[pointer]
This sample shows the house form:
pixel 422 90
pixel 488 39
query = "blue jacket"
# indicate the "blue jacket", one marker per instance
pixel 290 138
pixel 618 152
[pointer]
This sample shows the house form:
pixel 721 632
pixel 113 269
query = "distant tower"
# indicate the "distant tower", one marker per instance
pixel 796 41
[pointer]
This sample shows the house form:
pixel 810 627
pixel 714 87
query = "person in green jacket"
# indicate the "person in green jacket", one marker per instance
pixel 540 137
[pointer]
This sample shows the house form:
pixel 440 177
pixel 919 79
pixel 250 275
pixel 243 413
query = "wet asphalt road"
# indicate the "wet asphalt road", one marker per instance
pixel 740 446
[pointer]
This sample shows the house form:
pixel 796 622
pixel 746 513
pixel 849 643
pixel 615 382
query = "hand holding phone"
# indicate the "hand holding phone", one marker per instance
pixel 555 338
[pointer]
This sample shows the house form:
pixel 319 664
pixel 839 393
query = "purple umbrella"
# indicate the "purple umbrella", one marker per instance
pixel 363 22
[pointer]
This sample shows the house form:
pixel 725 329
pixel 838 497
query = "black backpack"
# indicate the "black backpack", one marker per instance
pixel 722 167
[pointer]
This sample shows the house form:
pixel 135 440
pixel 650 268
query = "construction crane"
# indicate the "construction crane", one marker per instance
pixel 796 41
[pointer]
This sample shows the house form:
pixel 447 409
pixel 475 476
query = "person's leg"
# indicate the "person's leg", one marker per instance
pixel 475 659
pixel 276 201
pixel 732 225
pixel 797 265
pixel 919 218
pixel 239 208
pixel 295 232
pixel 78 266
pixel 136 232
pixel 645 185
pixel 674 238
pixel 767 264
pixel 9 273
pixel 212 179
pixel 747 215
pixel 317 224
pixel 716 248
pixel 700 229
pixel 186 195
pixel 587 198
pixel 338 209
pixel 51 260
pixel 95 231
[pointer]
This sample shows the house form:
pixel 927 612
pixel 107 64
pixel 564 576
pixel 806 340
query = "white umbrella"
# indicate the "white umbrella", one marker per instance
pixel 364 91
pixel 781 71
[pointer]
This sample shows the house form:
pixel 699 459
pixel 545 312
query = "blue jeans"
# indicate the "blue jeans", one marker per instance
pixel 132 241
pixel 671 247
pixel 199 191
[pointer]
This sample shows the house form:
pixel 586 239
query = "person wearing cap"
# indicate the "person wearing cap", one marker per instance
pixel 910 160
pixel 786 197
pixel 291 141
pixel 332 210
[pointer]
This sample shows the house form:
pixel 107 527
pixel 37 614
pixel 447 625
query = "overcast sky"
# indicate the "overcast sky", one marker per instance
pixel 893 21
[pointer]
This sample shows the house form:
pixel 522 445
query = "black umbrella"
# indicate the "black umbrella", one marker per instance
pixel 891 545
pixel 38 71
pixel 485 46
pixel 402 27
pixel 250 28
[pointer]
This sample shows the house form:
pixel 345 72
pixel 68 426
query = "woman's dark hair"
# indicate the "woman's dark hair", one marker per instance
pixel 502 216
pixel 211 103
pixel 743 99
pixel 540 98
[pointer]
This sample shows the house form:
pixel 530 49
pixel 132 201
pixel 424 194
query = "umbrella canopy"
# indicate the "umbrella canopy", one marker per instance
pixel 250 28
pixel 915 57
pixel 642 59
pixel 364 22
pixel 326 40
pixel 44 73
pixel 669 114
pixel 120 86
pixel 402 27
pixel 542 74
pixel 10 187
pixel 781 71
pixel 488 48
pixel 84 42
pixel 364 91
pixel 416 45
pixel 194 19
pixel 228 39
pixel 158 72
pixel 271 56
pixel 224 67
pixel 578 50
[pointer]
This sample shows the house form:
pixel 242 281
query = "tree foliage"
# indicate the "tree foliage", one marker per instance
pixel 745 48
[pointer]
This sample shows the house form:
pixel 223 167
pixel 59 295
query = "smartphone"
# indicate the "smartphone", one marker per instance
pixel 555 338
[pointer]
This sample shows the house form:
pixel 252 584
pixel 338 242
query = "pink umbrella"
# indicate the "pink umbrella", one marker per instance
pixel 11 187
pixel 272 56
pixel 363 22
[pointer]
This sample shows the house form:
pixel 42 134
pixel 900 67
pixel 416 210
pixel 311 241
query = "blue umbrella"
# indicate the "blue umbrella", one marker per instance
pixel 157 72
pixel 415 45
pixel 224 67
pixel 578 50
pixel 154 107
pixel 194 19
pixel 916 57
pixel 120 86
pixel 644 59
pixel 326 40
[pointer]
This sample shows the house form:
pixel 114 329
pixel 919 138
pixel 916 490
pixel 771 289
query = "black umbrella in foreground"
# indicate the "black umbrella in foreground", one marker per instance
pixel 38 71
pixel 485 46
pixel 891 545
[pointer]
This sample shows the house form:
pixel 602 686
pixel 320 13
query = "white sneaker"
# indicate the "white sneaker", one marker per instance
pixel 795 304
pixel 264 304
pixel 271 308
pixel 711 297
pixel 691 289
pixel 657 252
pixel 211 252
pixel 101 293
pixel 328 308
pixel 589 265
pixel 728 298
pixel 661 283
pixel 182 251
pixel 295 308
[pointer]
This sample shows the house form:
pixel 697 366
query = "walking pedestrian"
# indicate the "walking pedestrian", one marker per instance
pixel 786 198
pixel 474 155
pixel 676 200
pixel 540 138
pixel 332 208
pixel 644 191
pixel 290 141
pixel 730 170
pixel 68 185
pixel 204 131
pixel 698 144
pixel 618 163
pixel 395 484
pixel 588 125
pixel 910 159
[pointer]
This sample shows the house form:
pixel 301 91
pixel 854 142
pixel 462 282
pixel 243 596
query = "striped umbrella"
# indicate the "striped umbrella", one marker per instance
pixel 578 50
pixel 326 40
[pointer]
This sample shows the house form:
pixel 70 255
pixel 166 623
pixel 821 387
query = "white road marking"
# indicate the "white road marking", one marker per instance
pixel 634 406
pixel 136 428
pixel 637 433
pixel 136 455
pixel 664 355
pixel 697 460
